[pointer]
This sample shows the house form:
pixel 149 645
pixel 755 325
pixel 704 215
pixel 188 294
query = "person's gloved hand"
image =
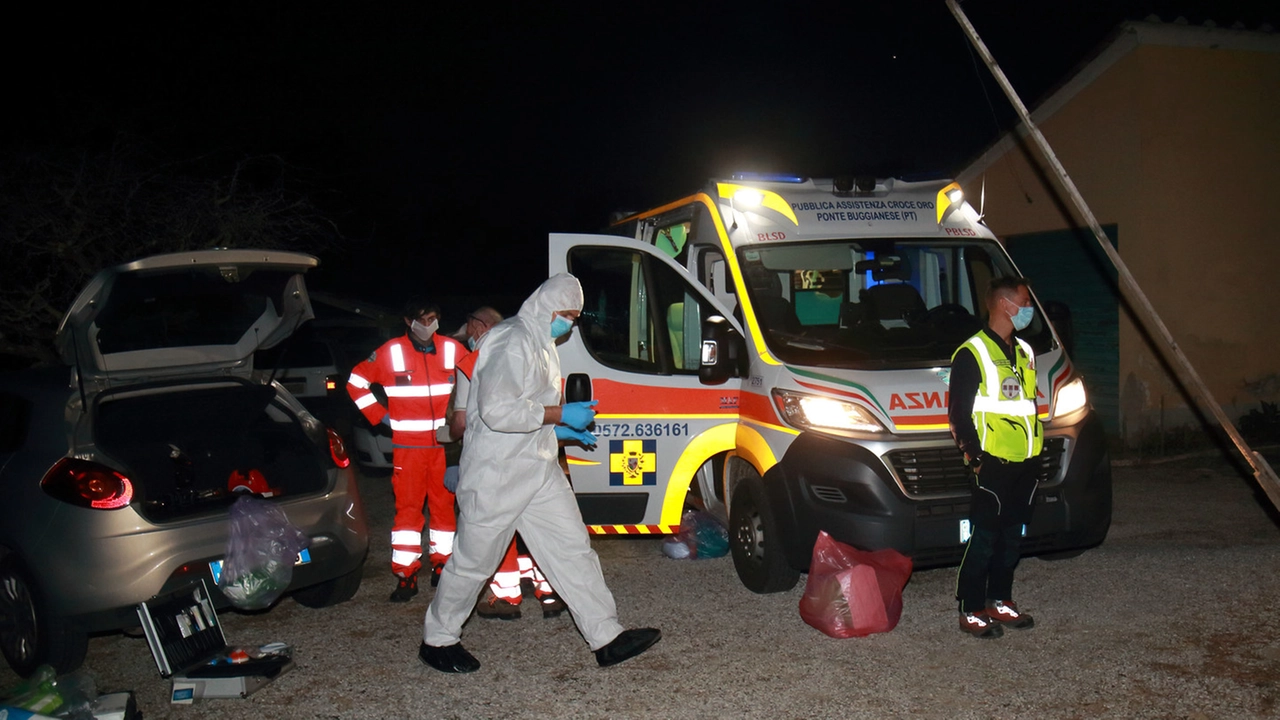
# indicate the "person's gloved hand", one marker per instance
pixel 582 436
pixel 386 420
pixel 578 415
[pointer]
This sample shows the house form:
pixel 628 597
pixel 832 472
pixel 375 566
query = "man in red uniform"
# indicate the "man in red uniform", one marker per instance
pixel 417 372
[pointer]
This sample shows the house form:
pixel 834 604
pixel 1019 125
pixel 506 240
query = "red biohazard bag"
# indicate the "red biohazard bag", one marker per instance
pixel 852 592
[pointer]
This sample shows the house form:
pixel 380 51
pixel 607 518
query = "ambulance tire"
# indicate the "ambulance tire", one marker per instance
pixel 29 635
pixel 331 592
pixel 753 539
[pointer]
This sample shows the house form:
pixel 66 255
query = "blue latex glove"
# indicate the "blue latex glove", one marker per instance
pixel 386 420
pixel 582 436
pixel 578 415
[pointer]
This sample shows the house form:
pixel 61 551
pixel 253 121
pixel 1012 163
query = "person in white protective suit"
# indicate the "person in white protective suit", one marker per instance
pixel 510 480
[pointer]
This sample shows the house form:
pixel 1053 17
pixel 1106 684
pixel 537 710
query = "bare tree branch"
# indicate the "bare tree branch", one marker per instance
pixel 66 214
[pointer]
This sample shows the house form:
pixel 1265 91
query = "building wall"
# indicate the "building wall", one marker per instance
pixel 1179 147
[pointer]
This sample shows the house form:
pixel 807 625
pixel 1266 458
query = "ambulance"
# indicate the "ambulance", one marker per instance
pixel 775 350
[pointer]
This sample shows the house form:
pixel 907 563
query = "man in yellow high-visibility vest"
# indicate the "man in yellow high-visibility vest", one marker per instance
pixel 993 419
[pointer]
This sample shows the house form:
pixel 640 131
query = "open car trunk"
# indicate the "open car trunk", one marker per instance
pixel 181 444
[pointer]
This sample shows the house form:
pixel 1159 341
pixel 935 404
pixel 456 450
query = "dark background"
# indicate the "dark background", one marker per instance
pixel 448 139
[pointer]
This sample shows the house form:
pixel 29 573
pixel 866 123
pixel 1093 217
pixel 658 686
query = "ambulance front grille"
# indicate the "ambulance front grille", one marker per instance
pixel 940 472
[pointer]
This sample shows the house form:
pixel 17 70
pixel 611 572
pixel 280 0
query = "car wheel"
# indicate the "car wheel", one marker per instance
pixel 331 592
pixel 753 540
pixel 29 636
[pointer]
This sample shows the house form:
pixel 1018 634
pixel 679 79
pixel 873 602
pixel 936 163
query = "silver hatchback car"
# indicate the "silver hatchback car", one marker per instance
pixel 117 471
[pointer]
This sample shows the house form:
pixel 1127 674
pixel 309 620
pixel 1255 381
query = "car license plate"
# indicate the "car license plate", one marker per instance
pixel 215 566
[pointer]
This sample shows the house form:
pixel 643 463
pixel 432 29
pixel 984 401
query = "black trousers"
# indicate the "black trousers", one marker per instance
pixel 1001 505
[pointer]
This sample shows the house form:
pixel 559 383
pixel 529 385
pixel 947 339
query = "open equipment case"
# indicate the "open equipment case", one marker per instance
pixel 189 648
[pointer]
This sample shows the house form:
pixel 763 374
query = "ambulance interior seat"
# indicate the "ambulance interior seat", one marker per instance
pixel 855 314
pixel 773 310
pixel 675 330
pixel 892 301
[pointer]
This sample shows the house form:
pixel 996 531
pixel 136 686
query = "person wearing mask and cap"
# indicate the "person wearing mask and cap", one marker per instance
pixel 477 324
pixel 511 481
pixel 416 371
pixel 993 418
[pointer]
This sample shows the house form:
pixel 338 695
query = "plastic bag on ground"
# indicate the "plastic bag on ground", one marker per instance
pixel 701 536
pixel 262 547
pixel 852 592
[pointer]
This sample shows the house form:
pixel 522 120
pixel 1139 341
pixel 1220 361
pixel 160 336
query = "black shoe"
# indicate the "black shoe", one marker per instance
pixel 450 659
pixel 435 574
pixel 552 605
pixel 627 645
pixel 406 589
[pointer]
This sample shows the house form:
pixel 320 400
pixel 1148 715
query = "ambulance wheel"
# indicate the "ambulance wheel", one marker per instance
pixel 753 538
pixel 331 592
pixel 29 635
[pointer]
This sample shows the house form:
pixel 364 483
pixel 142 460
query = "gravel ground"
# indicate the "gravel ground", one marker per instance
pixel 1174 616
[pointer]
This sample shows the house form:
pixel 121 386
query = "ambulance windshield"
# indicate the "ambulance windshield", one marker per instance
pixel 874 303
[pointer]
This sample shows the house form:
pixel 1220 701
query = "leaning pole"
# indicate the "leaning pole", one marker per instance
pixel 1262 471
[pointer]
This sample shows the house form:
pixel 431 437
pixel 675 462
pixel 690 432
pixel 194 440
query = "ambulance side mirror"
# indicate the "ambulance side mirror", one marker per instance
pixel 577 388
pixel 724 353
pixel 1060 317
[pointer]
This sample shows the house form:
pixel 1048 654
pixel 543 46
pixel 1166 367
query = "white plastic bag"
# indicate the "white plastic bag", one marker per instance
pixel 261 550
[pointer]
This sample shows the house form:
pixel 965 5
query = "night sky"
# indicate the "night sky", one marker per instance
pixel 451 138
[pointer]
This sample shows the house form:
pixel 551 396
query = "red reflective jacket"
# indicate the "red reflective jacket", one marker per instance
pixel 417 384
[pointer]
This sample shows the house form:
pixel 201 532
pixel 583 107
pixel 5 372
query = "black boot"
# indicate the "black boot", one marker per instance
pixel 406 589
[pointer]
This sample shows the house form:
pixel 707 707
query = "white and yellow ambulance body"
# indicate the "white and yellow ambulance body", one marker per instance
pixel 776 351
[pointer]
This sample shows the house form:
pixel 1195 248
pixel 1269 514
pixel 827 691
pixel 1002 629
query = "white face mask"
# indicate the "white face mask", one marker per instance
pixel 424 332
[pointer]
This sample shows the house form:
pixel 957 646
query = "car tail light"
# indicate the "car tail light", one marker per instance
pixel 330 383
pixel 338 449
pixel 87 484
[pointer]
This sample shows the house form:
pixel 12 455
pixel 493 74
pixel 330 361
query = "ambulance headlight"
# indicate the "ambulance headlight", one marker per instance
pixel 823 413
pixel 747 198
pixel 1071 397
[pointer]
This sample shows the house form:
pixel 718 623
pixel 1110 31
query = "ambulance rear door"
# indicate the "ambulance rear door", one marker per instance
pixel 658 428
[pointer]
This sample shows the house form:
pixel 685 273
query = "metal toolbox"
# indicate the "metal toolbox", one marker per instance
pixel 190 649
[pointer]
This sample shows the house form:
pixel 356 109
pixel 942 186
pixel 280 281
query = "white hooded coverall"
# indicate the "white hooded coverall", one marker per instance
pixel 510 479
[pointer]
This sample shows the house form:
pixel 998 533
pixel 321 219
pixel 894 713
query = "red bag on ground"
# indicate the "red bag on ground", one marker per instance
pixel 852 592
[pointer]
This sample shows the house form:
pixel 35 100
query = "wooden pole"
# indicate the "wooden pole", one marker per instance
pixel 1262 471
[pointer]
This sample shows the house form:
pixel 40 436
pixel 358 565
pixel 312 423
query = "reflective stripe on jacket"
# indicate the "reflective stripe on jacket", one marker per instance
pixel 417 384
pixel 1004 410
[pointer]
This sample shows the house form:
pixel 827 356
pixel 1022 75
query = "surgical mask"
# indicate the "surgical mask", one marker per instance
pixel 471 343
pixel 560 325
pixel 424 332
pixel 1022 318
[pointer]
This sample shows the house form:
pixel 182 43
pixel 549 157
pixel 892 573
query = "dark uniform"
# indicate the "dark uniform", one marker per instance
pixel 994 420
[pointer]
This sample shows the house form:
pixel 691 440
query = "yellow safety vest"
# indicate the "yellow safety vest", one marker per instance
pixel 1004 410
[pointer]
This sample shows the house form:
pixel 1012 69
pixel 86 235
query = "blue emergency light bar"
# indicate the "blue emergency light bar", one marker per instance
pixel 768 177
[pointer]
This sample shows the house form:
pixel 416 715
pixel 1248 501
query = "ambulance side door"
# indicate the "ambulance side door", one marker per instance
pixel 639 340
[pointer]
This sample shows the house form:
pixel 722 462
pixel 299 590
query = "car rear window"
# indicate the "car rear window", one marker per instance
pixel 186 308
